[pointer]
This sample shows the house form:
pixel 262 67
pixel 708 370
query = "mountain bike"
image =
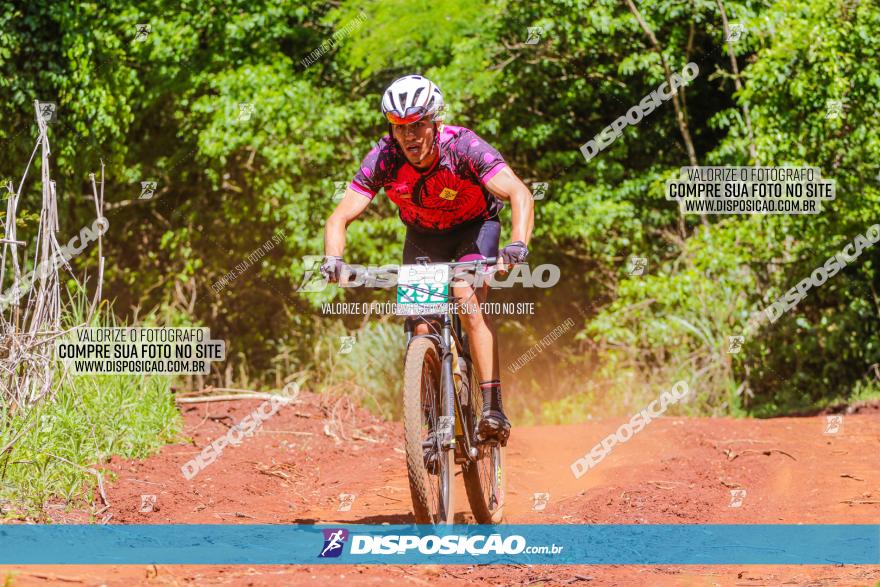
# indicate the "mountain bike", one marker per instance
pixel 442 402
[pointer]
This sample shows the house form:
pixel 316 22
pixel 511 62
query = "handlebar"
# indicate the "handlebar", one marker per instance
pixel 354 273
pixel 452 264
pixel 486 261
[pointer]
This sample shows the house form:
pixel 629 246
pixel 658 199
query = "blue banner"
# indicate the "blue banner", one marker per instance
pixel 663 544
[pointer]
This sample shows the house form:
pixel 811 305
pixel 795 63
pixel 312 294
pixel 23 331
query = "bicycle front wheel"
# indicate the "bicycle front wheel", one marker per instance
pixel 429 464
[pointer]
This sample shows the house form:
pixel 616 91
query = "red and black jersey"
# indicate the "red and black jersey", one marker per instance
pixel 452 192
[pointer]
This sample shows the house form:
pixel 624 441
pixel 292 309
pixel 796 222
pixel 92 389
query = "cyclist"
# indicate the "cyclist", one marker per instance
pixel 448 184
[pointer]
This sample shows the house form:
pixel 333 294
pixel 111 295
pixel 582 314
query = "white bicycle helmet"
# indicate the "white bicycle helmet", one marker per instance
pixel 411 98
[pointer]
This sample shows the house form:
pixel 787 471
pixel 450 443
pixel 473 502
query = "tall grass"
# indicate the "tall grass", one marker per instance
pixel 53 445
pixel 91 418
pixel 371 373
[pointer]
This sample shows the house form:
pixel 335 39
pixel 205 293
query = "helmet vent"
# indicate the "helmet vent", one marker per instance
pixel 416 96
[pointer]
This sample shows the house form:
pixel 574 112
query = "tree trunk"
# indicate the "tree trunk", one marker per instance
pixel 753 151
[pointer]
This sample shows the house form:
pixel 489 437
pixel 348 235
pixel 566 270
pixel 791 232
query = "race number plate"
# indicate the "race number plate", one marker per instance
pixel 422 289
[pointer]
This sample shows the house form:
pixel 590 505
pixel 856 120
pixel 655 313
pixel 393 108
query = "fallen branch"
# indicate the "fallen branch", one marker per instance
pixel 210 390
pixel 236 514
pixel 667 485
pixel 389 497
pixel 272 472
pixel 749 440
pixel 732 455
pixel 356 435
pixel 55 578
pixel 225 398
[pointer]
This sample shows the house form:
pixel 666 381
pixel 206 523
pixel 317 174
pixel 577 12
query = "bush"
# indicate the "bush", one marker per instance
pixel 370 373
pixel 88 419
pixel 91 418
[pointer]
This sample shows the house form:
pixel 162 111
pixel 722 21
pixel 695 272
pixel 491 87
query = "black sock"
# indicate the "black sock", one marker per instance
pixel 491 395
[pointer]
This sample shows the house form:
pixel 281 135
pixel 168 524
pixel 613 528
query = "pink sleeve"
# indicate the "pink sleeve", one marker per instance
pixel 362 190
pixel 371 175
pixel 482 157
pixel 492 172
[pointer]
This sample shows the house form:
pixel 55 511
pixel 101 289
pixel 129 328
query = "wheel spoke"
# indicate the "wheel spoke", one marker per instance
pixel 438 483
pixel 489 465
pixel 429 401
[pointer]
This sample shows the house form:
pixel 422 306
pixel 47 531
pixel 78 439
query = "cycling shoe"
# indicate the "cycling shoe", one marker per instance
pixel 493 427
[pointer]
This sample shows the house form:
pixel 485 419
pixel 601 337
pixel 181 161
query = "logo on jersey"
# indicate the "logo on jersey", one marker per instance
pixel 448 194
pixel 334 540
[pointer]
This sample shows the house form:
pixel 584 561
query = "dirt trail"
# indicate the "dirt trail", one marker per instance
pixel 677 470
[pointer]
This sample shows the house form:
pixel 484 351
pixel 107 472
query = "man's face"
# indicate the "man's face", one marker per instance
pixel 416 140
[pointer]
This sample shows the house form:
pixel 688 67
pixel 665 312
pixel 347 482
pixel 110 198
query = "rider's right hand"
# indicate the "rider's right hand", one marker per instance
pixel 332 268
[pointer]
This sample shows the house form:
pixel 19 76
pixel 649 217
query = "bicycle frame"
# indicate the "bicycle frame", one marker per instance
pixel 452 422
pixel 450 342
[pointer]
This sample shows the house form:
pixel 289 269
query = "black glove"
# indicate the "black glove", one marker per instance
pixel 515 252
pixel 332 268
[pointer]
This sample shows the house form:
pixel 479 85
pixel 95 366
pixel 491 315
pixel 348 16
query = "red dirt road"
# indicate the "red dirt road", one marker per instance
pixel 677 470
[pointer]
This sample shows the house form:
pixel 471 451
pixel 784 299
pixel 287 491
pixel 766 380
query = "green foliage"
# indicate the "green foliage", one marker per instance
pixel 367 369
pixel 674 321
pixel 866 390
pixel 166 109
pixel 55 445
pixel 92 418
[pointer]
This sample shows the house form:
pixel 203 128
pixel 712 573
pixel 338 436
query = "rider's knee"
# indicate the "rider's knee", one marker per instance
pixel 473 316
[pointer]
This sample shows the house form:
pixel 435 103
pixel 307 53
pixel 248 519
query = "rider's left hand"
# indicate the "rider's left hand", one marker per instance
pixel 515 252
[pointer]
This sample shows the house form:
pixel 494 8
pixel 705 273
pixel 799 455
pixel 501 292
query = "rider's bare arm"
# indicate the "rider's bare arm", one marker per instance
pixel 351 206
pixel 507 186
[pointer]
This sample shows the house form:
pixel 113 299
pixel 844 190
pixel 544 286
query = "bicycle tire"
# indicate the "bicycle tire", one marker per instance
pixel 421 367
pixel 486 500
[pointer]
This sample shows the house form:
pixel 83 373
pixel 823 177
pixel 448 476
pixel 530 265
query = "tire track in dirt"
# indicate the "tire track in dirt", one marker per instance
pixel 677 470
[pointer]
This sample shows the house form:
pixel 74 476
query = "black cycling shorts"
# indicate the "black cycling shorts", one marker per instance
pixel 472 241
